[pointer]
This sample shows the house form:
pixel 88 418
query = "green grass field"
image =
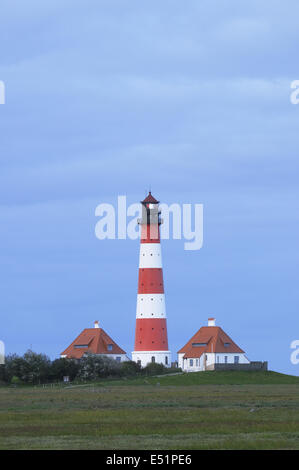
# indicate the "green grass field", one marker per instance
pixel 206 410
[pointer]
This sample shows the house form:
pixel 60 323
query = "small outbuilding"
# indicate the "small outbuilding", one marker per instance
pixel 210 347
pixel 96 341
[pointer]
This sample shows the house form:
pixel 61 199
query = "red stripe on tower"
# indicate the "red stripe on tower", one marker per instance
pixel 151 343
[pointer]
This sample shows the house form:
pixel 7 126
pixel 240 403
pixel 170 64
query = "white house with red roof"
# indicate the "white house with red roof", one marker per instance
pixel 210 346
pixel 95 341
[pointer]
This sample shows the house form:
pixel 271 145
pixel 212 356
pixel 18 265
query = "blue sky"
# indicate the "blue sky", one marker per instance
pixel 104 98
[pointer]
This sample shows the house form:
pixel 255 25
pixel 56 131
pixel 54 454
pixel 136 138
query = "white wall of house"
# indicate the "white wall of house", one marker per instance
pixel 191 365
pixel 117 357
pixel 200 364
pixel 180 360
pixel 228 358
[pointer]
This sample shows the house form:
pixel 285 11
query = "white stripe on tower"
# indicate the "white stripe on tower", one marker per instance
pixel 151 306
pixel 150 255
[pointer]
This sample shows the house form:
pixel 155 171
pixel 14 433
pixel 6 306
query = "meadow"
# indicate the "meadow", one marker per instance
pixel 206 410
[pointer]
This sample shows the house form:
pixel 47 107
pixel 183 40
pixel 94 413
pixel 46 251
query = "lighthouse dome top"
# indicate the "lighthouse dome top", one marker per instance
pixel 150 199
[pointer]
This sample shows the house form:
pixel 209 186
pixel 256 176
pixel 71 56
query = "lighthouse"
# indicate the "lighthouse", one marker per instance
pixel 151 342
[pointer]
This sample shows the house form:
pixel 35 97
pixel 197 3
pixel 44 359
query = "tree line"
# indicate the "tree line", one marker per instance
pixel 36 368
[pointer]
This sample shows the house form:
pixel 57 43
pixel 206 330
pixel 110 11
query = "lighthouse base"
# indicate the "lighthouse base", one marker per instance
pixel 147 357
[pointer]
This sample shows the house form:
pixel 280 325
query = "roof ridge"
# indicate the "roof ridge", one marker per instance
pixel 214 337
pixel 97 341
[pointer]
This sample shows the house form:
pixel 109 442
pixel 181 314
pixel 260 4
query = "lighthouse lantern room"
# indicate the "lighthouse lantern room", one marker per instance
pixel 151 342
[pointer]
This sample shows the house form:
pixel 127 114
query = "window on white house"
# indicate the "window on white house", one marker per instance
pixel 236 359
pixel 191 362
pixel 153 359
pixel 225 359
pixel 166 360
pixel 110 347
pixel 118 359
pixel 197 362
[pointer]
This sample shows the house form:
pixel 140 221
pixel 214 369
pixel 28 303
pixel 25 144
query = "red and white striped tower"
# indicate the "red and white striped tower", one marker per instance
pixel 151 343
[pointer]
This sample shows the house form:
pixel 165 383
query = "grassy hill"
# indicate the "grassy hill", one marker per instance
pixel 206 410
pixel 211 378
pixel 191 379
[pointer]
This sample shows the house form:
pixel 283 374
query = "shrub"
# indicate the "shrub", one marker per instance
pixel 64 367
pixel 12 368
pixel 15 380
pixel 153 368
pixel 31 368
pixel 130 369
pixel 93 367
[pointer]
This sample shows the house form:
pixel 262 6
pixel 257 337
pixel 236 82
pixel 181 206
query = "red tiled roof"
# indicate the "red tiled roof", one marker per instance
pixel 150 199
pixel 213 339
pixel 96 341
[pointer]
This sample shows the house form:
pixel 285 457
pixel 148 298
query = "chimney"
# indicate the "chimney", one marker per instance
pixel 96 324
pixel 211 322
